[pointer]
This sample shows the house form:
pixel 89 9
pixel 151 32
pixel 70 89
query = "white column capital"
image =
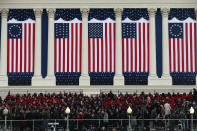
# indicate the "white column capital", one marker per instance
pixel 165 12
pixel 84 12
pixel 38 12
pixel 118 12
pixel 51 12
pixel 195 11
pixel 4 12
pixel 152 11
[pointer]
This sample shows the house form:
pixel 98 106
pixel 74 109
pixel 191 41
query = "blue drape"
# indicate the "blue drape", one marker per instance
pixel 136 78
pixel 101 14
pixel 158 22
pixel 21 14
pixel 68 14
pixel 183 78
pixel 44 43
pixel 19 78
pixel 67 78
pixel 101 78
pixel 135 14
pixel 182 13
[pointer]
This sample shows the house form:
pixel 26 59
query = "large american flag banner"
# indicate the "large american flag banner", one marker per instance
pixel 21 41
pixel 135 45
pixel 182 45
pixel 101 45
pixel 68 43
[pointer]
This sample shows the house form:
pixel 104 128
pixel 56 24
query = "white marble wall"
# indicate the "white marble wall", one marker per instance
pixel 84 79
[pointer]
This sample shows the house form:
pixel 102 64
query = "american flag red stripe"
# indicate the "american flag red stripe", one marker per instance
pixel 29 55
pixel 102 50
pixel 106 49
pixel 187 47
pixel 135 51
pixel 76 48
pixel 68 50
pixel 72 47
pixel 20 53
pixel 33 46
pixel 182 51
pixel 80 48
pixel 25 44
pixel 8 55
pixel 195 47
pixel 114 45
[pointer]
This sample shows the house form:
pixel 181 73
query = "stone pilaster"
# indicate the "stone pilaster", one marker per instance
pixel 3 57
pixel 84 80
pixel 152 79
pixel 37 79
pixel 50 80
pixel 166 78
pixel 196 34
pixel 118 78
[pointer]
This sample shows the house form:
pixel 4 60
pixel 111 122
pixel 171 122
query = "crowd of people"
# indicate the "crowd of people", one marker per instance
pixel 42 107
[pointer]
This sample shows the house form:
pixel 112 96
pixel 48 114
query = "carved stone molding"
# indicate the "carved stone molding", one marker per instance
pixel 84 12
pixel 51 12
pixel 165 12
pixel 118 12
pixel 38 12
pixel 4 12
pixel 152 11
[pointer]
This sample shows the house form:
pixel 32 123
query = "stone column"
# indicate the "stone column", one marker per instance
pixel 37 79
pixel 152 79
pixel 50 80
pixel 166 78
pixel 118 78
pixel 3 57
pixel 84 79
pixel 196 35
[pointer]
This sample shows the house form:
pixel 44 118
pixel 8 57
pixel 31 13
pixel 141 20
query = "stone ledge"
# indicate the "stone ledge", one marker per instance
pixel 101 4
pixel 3 81
pixel 92 90
pixel 37 81
pixel 155 81
pixel 49 81
pixel 118 80
pixel 84 81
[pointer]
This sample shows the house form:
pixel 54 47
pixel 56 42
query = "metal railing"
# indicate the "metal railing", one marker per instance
pixel 108 124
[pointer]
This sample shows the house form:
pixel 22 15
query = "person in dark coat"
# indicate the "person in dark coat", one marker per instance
pixel 80 118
